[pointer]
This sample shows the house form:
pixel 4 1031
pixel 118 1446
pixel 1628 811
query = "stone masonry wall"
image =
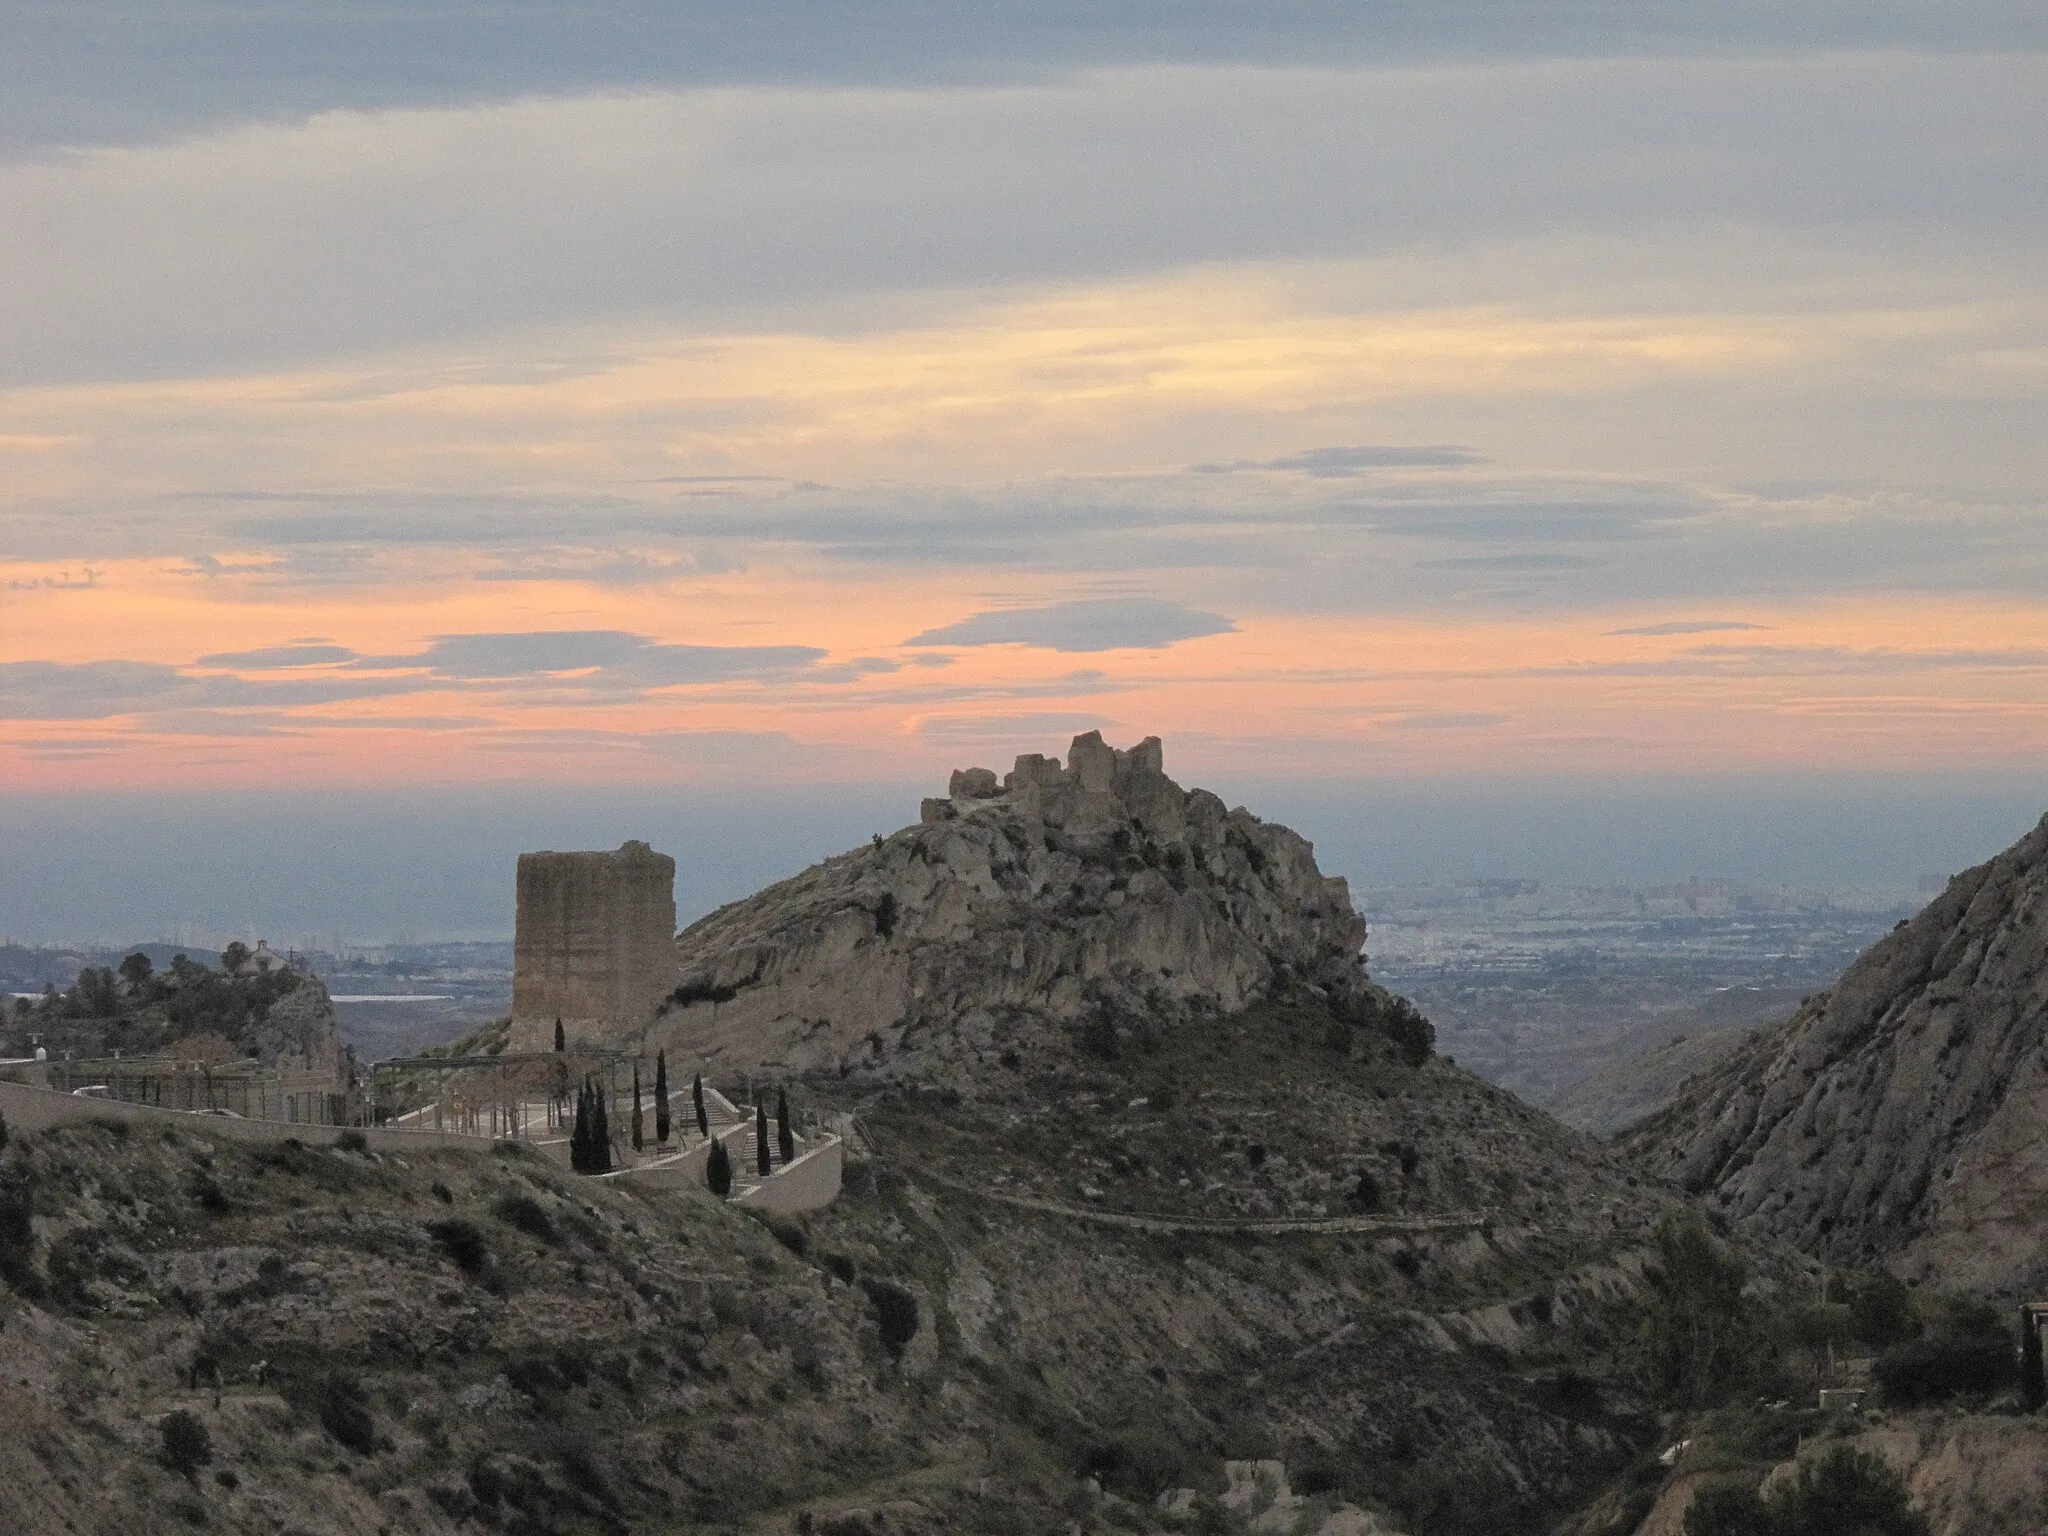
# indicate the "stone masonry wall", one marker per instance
pixel 594 944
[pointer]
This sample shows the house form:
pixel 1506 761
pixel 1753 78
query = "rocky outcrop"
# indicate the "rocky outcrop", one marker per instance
pixel 298 1033
pixel 1903 1116
pixel 1097 889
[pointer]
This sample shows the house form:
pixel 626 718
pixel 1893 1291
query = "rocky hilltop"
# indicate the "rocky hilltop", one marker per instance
pixel 1902 1116
pixel 1093 891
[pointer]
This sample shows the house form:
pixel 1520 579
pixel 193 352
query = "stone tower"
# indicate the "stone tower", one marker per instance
pixel 594 945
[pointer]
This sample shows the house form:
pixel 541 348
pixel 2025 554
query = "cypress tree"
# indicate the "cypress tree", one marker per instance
pixel 661 1124
pixel 638 1141
pixel 697 1097
pixel 785 1139
pixel 601 1135
pixel 561 1040
pixel 579 1138
pixel 718 1170
pixel 2033 1381
pixel 761 1164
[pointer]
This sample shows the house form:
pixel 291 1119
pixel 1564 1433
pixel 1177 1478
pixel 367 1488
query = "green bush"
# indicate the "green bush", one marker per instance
pixel 1413 1035
pixel 344 1412
pixel 187 1445
pixel 1845 1492
pixel 18 1244
pixel 896 1312
pixel 1946 1364
pixel 462 1242
pixel 1881 1312
pixel 527 1214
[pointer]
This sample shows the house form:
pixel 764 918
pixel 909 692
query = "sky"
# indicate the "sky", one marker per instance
pixel 699 410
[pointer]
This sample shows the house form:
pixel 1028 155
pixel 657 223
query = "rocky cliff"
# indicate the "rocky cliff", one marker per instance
pixel 1093 891
pixel 1902 1116
pixel 298 1032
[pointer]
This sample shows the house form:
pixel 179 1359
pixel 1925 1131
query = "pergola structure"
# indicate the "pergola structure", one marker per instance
pixel 520 1094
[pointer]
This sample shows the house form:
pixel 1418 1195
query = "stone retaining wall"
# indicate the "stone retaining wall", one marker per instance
pixel 29 1110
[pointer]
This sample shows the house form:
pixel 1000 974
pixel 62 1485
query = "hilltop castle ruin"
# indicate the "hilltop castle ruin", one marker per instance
pixel 594 944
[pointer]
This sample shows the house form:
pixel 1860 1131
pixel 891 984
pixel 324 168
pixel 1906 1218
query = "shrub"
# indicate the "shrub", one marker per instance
pixel 718 1170
pixel 1881 1312
pixel 525 1213
pixel 352 1140
pixel 1728 1507
pixel 896 1311
pixel 1413 1035
pixel 789 1233
pixel 1098 1038
pixel 187 1445
pixel 18 1244
pixel 1367 1195
pixel 541 1374
pixel 344 1412
pixel 463 1243
pixel 1135 1463
pixel 1846 1492
pixel 1948 1363
pixel 81 1258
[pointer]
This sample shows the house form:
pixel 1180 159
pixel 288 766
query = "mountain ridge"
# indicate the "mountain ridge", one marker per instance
pixel 1062 895
pixel 1901 1117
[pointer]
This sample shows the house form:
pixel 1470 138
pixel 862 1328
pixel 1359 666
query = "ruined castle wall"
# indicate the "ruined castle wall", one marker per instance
pixel 594 944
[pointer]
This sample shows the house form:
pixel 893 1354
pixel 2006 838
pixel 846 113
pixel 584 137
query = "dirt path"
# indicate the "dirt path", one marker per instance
pixel 1136 1221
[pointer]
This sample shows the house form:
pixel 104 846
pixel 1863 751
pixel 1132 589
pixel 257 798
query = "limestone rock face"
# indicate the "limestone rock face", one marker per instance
pixel 1903 1116
pixel 299 1031
pixel 1062 894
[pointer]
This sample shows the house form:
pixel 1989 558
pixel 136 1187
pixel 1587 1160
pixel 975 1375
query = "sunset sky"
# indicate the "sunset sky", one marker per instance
pixel 657 398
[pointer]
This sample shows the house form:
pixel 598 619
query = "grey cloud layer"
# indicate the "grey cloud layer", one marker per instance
pixel 1472 537
pixel 613 655
pixel 97 73
pixel 97 690
pixel 1091 624
pixel 1341 463
pixel 606 662
pixel 355 233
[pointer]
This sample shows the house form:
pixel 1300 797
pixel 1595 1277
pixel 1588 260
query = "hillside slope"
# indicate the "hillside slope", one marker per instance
pixel 1614 1099
pixel 455 1342
pixel 1902 1116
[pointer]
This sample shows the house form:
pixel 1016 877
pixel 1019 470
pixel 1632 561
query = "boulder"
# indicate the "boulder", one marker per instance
pixel 973 784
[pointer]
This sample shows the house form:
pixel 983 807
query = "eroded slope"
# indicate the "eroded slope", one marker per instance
pixel 1902 1116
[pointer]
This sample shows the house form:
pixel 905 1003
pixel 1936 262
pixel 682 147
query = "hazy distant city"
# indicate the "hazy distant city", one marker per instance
pixel 1538 985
